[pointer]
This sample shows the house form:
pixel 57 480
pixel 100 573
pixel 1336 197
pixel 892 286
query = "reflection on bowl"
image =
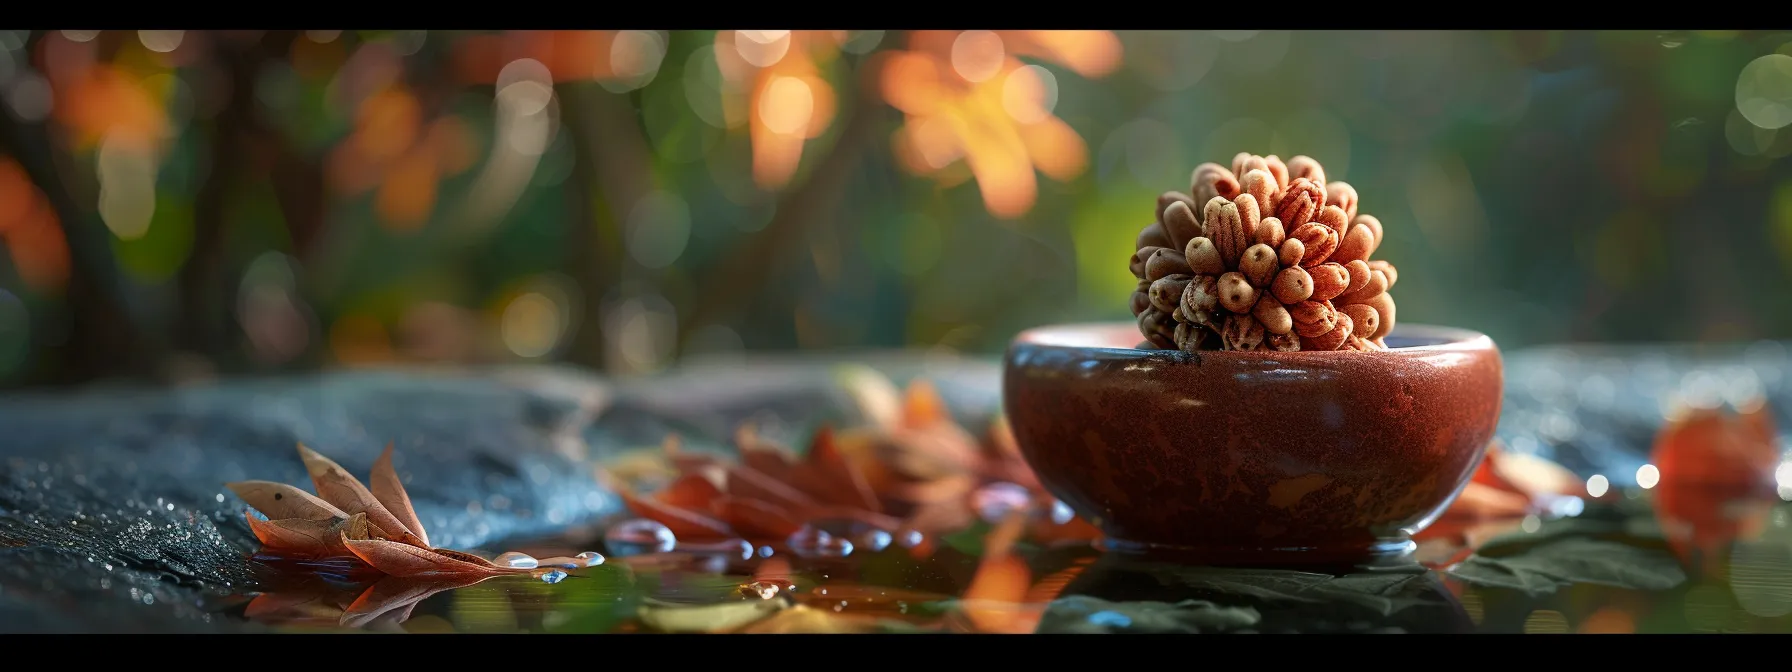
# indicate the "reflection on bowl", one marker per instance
pixel 1254 457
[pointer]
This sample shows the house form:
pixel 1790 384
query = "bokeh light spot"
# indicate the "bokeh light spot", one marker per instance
pixel 1030 93
pixel 762 48
pixel 1764 91
pixel 1598 485
pixel 1647 476
pixel 531 326
pixel 161 41
pixel 80 35
pixel 977 55
pixel 787 105
pixel 30 97
pixel 127 177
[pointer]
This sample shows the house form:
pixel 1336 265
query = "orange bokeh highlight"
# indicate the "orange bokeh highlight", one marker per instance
pixel 31 231
pixel 788 102
pixel 950 118
pixel 392 150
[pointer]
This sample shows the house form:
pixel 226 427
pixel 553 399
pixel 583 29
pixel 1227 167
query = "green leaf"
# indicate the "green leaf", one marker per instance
pixel 1382 592
pixel 1081 614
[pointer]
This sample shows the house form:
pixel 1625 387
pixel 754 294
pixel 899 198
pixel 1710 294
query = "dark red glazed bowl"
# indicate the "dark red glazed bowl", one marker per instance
pixel 1263 458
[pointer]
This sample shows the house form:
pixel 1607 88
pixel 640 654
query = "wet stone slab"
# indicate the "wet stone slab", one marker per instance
pixel 114 517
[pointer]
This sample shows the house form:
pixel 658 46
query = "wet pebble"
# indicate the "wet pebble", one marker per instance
pixel 639 537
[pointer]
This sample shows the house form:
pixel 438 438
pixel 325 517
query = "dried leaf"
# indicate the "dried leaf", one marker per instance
pixel 387 490
pixel 757 520
pixel 279 501
pixel 313 537
pixel 691 493
pixel 464 556
pixel 395 592
pixel 922 405
pixel 749 483
pixel 408 560
pixel 336 486
pixel 830 470
pixel 684 524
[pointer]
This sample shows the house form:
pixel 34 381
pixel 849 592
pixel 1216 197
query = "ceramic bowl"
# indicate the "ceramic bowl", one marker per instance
pixel 1261 458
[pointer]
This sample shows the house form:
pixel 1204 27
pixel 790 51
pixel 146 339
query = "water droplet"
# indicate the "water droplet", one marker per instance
pixel 517 560
pixel 910 538
pixel 763 590
pixel 639 537
pixel 875 539
pixel 765 551
pixel 812 542
pixel 220 498
pixel 995 501
pixel 591 558
pixel 1061 513
pixel 1671 40
pixel 553 576
pixel 736 548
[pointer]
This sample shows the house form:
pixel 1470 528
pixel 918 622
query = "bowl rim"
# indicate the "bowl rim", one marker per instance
pixel 1087 336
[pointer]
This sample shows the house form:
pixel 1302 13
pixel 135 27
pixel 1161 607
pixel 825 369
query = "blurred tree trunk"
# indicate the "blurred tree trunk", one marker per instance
pixel 102 339
pixel 611 171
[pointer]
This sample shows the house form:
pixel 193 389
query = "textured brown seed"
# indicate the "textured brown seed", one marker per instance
pixel 1203 257
pixel 1236 293
pixel 1343 195
pixel 1158 328
pixel 1180 223
pixel 1165 199
pixel 1189 337
pixel 1152 235
pixel 1140 302
pixel 1312 318
pixel 1292 285
pixel 1211 180
pixel 1270 232
pixel 1273 315
pixel 1333 218
pixel 1377 286
pixel 1245 162
pixel 1287 342
pixel 1359 274
pixel 1279 170
pixel 1139 257
pixel 1320 242
pixel 1259 265
pixel 1329 281
pixel 1305 167
pixel 1300 203
pixel 1291 251
pixel 1166 293
pixel 1384 306
pixel 1330 340
pixel 1201 296
pixel 1242 332
pixel 1166 262
pixel 1226 229
pixel 1386 269
pixel 1366 319
pixel 1249 216
pixel 1355 246
pixel 1374 227
pixel 1261 186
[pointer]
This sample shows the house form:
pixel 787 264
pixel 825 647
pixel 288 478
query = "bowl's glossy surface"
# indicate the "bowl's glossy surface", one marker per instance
pixel 1254 457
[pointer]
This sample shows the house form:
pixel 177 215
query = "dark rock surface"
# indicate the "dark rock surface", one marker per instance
pixel 114 515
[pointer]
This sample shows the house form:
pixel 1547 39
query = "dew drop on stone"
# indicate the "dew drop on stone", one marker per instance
pixel 553 576
pixel 995 501
pixel 811 542
pixel 591 558
pixel 639 537
pixel 516 560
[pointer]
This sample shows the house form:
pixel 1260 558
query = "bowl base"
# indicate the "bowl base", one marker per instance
pixel 1382 552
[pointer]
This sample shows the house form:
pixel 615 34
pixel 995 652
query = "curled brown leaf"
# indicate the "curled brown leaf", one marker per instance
pixel 336 486
pixel 388 491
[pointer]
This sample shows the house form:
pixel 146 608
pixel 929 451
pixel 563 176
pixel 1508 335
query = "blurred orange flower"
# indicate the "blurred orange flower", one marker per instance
pixel 968 97
pixel 30 230
pixel 777 74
